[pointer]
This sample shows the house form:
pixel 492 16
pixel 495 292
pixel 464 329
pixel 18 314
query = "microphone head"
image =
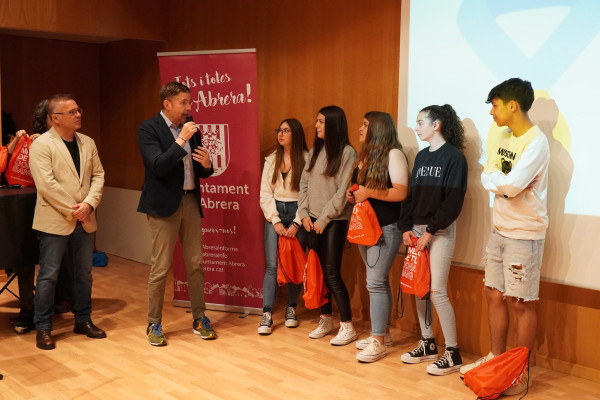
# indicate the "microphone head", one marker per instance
pixel 189 118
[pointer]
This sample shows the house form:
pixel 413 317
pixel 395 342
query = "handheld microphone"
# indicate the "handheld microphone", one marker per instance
pixel 189 118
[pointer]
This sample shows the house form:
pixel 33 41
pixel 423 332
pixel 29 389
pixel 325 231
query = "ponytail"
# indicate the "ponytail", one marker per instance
pixel 452 129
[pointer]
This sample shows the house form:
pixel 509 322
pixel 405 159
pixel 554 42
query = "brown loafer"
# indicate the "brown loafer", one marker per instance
pixel 44 339
pixel 89 329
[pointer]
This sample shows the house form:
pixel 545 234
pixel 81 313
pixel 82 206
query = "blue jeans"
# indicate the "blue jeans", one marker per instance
pixel 80 245
pixel 441 249
pixel 379 259
pixel 287 213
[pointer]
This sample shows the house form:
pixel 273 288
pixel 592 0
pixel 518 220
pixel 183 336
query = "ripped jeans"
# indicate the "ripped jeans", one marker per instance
pixel 513 266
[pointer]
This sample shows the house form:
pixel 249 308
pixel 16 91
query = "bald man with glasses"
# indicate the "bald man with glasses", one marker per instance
pixel 69 179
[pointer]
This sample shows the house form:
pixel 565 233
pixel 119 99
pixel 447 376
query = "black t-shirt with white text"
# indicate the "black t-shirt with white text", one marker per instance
pixel 437 189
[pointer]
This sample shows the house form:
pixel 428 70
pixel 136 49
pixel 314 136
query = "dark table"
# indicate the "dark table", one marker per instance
pixel 18 241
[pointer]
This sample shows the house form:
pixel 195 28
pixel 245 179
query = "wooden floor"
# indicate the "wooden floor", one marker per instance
pixel 238 365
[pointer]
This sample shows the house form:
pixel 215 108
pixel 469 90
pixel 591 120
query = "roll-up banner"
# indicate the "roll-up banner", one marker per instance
pixel 223 86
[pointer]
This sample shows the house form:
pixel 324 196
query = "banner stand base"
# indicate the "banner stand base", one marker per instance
pixel 221 307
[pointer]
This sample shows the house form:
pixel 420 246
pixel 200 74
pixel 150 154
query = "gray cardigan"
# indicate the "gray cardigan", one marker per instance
pixel 323 197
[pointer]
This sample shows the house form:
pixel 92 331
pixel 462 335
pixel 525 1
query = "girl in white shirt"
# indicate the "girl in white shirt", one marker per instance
pixel 279 202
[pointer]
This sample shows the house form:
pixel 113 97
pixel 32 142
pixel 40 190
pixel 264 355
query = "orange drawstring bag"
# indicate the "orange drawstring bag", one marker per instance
pixel 502 372
pixel 416 276
pixel 18 172
pixel 364 227
pixel 315 290
pixel 3 158
pixel 291 261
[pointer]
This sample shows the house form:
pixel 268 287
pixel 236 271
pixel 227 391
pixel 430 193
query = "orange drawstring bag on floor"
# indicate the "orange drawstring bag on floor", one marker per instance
pixel 291 261
pixel 502 372
pixel 315 290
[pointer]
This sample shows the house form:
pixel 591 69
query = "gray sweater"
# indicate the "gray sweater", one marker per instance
pixel 323 197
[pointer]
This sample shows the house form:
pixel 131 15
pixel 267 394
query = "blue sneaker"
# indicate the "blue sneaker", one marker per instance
pixel 202 327
pixel 155 335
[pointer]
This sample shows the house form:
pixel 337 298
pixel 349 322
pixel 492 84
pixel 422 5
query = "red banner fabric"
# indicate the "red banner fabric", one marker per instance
pixel 223 88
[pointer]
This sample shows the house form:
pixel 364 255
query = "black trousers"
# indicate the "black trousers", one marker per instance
pixel 329 247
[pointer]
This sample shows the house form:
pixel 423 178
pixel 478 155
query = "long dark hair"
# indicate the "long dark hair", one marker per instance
pixel 336 138
pixel 452 129
pixel 297 154
pixel 381 137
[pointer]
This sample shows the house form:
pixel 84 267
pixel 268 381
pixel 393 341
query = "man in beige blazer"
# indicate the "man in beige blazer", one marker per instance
pixel 69 179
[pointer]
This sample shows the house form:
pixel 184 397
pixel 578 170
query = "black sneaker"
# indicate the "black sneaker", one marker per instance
pixel 265 324
pixel 290 317
pixel 425 350
pixel 21 326
pixel 448 363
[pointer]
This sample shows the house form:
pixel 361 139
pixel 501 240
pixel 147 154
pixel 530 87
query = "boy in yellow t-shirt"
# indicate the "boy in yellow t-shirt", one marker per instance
pixel 517 173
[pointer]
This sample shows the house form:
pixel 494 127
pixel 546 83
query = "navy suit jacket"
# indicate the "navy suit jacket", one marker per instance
pixel 164 170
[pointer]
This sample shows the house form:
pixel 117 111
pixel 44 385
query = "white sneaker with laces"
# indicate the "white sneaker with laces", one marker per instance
pixel 345 335
pixel 466 368
pixel 325 327
pixel 265 324
pixel 363 343
pixel 290 317
pixel 520 387
pixel 373 352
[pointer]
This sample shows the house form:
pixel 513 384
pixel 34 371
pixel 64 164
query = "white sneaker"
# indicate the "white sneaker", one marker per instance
pixel 520 387
pixel 345 335
pixel 325 327
pixel 363 343
pixel 265 324
pixel 466 368
pixel 290 317
pixel 373 352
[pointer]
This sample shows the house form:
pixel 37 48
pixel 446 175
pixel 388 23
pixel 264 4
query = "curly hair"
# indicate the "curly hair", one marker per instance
pixel 381 137
pixel 297 154
pixel 452 129
pixel 39 118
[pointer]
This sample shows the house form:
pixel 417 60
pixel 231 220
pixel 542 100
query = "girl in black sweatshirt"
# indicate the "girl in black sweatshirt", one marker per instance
pixel 437 189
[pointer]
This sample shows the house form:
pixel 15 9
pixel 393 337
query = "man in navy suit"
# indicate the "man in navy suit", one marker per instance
pixel 174 160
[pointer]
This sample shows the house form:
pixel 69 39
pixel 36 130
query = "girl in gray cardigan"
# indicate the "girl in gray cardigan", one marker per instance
pixel 325 212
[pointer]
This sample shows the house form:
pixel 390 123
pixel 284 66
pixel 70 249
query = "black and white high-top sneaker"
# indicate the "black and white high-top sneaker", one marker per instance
pixel 425 350
pixel 448 363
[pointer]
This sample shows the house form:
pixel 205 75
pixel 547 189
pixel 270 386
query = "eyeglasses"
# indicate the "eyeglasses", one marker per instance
pixel 71 112
pixel 285 131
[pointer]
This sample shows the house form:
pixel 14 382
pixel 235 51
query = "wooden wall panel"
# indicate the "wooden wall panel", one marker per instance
pixel 96 20
pixel 310 54
pixel 131 19
pixel 36 15
pixel 129 95
pixel 34 69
